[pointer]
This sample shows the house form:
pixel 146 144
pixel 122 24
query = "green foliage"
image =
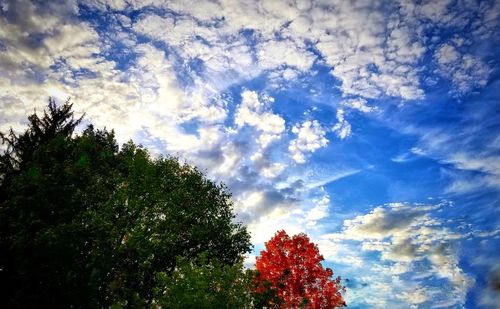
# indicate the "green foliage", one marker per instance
pixel 205 284
pixel 55 122
pixel 84 224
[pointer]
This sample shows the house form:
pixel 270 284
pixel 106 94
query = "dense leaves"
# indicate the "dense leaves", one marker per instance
pixel 85 225
pixel 205 284
pixel 289 274
pixel 55 122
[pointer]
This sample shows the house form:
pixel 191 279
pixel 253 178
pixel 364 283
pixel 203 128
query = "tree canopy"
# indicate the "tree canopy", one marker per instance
pixel 84 224
pixel 289 274
pixel 205 284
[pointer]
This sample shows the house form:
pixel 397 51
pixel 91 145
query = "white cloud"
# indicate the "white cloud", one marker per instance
pixel 103 5
pixel 168 29
pixel 377 57
pixel 373 53
pixel 266 168
pixel 275 212
pixel 407 236
pixel 293 214
pixel 447 55
pixel 466 71
pixel 488 165
pixel 310 137
pixel 232 157
pixel 289 74
pixel 70 40
pixel 343 127
pixel 367 63
pixel 258 114
pixel 319 211
pixel 359 104
pixel 275 54
pixel 415 297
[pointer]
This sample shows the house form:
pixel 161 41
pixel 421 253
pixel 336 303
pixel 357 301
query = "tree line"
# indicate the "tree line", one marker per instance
pixel 87 224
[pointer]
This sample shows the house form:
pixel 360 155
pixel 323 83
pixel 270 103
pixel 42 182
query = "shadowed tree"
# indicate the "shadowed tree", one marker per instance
pixel 56 121
pixel 205 284
pixel 85 225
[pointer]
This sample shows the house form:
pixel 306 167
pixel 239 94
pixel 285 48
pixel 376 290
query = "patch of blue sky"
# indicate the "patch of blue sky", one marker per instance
pixel 105 25
pixel 190 127
pixel 309 97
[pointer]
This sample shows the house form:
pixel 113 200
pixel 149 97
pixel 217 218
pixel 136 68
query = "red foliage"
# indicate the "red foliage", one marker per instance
pixel 291 267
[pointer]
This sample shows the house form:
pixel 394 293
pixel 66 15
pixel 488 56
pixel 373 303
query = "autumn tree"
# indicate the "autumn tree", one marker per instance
pixel 84 224
pixel 289 274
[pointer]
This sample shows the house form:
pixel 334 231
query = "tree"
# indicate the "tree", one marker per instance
pixel 56 121
pixel 205 284
pixel 85 224
pixel 289 274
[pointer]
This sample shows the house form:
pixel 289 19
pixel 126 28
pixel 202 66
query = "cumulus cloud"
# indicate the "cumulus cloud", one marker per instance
pixel 104 5
pixel 319 211
pixel 43 46
pixel 415 297
pixel 275 54
pixel 257 113
pixel 296 214
pixel 409 236
pixel 465 71
pixel 372 53
pixel 310 137
pixel 367 62
pixel 220 53
pixel 266 167
pixel 380 53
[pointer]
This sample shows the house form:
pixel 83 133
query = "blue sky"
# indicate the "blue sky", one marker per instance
pixel 372 126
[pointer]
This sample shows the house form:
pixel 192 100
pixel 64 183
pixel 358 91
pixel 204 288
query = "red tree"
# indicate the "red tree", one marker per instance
pixel 290 269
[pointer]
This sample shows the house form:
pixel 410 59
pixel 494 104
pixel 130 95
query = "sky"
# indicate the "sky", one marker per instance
pixel 371 126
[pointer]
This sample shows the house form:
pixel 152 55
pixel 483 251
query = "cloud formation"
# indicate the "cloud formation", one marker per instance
pixel 310 137
pixel 408 238
pixel 286 102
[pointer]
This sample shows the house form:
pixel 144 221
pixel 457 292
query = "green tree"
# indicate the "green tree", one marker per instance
pixel 205 284
pixel 84 224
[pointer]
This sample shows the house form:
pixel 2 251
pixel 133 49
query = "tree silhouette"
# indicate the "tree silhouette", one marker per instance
pixel 84 224
pixel 19 148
